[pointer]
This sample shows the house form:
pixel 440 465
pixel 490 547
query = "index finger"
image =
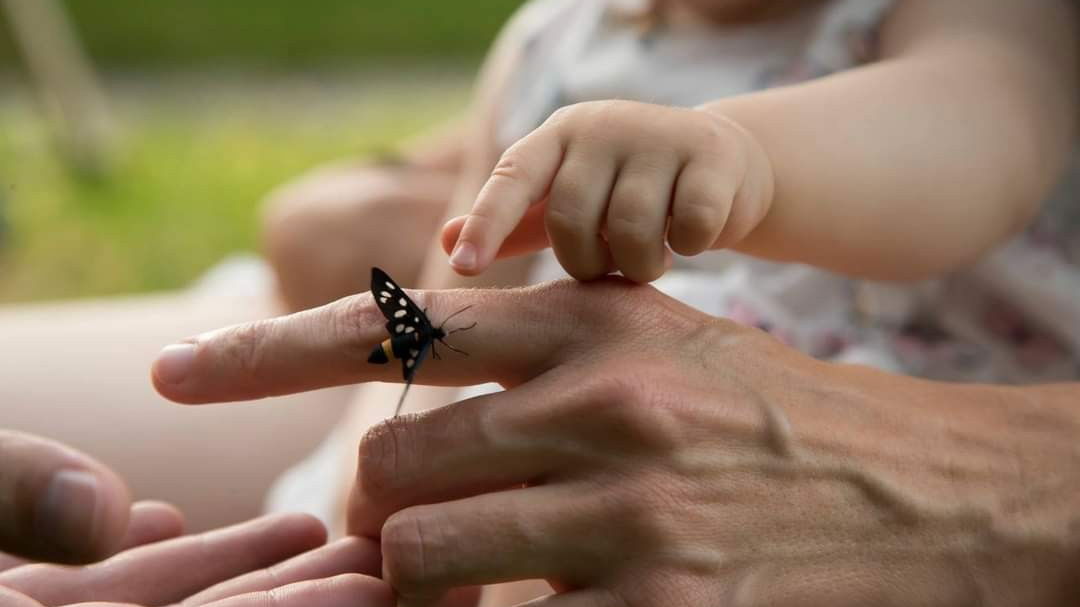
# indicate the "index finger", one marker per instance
pixel 521 179
pixel 519 333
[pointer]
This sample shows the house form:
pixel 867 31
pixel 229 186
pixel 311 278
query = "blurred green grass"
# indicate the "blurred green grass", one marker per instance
pixel 280 34
pixel 198 154
pixel 219 102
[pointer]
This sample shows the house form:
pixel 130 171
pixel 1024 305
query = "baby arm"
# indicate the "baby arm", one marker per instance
pixel 904 169
pixel 916 165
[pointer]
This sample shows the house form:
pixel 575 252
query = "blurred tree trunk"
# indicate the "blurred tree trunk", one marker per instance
pixel 67 88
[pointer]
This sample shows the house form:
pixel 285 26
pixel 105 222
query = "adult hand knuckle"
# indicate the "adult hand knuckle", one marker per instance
pixel 244 349
pixel 408 552
pixel 610 388
pixel 630 401
pixel 379 458
pixel 642 517
pixel 351 318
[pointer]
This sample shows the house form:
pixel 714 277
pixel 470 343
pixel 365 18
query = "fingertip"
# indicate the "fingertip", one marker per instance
pixel 451 231
pixel 153 521
pixel 303 526
pixel 465 258
pixel 174 363
pixel 171 370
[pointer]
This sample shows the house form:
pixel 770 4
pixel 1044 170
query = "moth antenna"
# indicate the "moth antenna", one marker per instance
pixel 454 349
pixel 460 329
pixel 454 314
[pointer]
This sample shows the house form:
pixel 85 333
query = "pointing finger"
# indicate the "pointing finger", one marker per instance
pixel 529 236
pixel 521 179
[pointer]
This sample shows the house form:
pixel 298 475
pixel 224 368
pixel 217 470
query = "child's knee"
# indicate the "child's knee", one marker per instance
pixel 301 215
pixel 322 232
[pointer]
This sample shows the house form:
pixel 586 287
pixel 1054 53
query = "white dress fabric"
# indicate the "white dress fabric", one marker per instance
pixel 1013 318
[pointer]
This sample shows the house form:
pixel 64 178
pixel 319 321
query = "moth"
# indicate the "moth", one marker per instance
pixel 412 336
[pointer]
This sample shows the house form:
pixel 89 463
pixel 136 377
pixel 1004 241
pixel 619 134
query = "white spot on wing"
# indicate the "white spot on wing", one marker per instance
pixel 400 313
pixel 409 329
pixel 400 328
pixel 390 285
pixel 413 353
pixel 384 294
pixel 409 363
pixel 401 302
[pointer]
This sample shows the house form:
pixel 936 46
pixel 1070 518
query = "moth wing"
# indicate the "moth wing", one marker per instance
pixel 395 305
pixel 408 370
pixel 386 293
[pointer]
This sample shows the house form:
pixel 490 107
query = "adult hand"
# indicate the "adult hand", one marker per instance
pixel 274 559
pixel 59 505
pixel 648 454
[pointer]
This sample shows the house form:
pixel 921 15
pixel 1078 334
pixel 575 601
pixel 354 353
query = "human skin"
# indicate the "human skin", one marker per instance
pixel 58 505
pixel 277 559
pixel 645 454
pixel 898 170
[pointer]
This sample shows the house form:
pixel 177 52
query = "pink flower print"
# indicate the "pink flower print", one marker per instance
pixel 741 313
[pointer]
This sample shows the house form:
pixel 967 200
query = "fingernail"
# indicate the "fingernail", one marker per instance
pixel 174 363
pixel 67 516
pixel 464 256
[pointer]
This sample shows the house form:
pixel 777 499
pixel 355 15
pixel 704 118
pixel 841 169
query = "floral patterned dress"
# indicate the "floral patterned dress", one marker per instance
pixel 1012 318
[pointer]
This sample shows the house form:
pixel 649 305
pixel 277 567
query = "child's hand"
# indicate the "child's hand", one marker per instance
pixel 599 182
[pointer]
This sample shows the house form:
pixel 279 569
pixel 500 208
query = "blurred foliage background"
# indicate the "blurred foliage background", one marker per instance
pixel 216 102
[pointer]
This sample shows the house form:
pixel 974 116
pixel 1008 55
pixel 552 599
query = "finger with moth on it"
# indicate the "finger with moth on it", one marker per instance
pixel 522 332
pixel 413 337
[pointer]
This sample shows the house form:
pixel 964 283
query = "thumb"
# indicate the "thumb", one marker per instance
pixel 57 504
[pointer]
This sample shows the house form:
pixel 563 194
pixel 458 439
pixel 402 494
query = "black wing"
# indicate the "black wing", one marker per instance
pixel 395 305
pixel 409 370
pixel 413 360
pixel 410 330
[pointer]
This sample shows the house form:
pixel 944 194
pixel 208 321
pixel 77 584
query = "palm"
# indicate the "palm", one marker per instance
pixel 160 568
